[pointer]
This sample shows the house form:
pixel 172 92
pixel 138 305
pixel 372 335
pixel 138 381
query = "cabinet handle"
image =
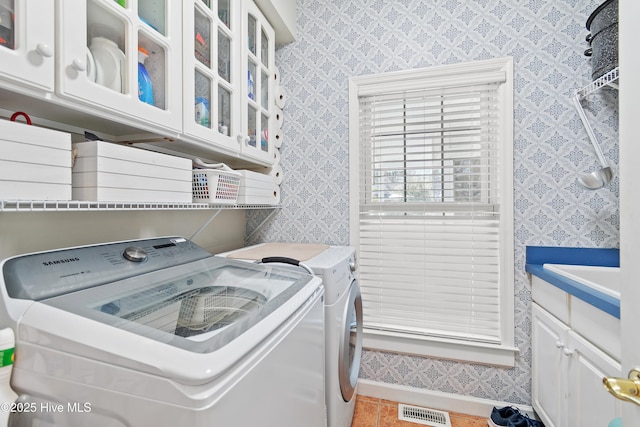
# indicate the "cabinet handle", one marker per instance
pixel 559 344
pixel 44 50
pixel 567 352
pixel 243 139
pixel 624 389
pixel 79 64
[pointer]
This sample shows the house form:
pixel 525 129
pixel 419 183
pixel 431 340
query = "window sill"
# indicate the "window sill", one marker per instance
pixel 441 348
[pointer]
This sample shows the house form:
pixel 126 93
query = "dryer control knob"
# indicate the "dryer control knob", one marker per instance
pixel 135 254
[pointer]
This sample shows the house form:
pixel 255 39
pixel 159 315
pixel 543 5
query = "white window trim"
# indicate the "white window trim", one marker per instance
pixel 445 75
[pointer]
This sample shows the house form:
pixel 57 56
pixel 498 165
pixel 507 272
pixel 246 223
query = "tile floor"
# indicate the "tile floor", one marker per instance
pixel 374 412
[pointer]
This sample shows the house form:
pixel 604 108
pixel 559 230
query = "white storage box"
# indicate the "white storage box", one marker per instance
pixel 105 171
pixel 258 189
pixel 35 163
pixel 215 186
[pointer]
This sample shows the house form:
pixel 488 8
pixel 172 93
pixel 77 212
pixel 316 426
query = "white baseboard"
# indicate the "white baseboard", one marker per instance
pixel 434 399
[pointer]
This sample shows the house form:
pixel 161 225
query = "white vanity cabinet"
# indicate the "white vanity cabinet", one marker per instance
pixel 27 44
pixel 567 368
pixel 549 365
pixel 589 404
pixel 257 88
pixel 101 42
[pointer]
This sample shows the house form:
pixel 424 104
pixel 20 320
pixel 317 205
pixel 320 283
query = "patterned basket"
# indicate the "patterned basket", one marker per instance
pixel 215 186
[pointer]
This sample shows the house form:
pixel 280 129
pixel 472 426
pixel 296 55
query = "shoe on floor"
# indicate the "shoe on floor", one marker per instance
pixel 500 417
pixel 523 421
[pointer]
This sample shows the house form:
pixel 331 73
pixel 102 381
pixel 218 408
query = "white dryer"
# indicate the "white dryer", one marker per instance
pixel 336 265
pixel 343 330
pixel 158 332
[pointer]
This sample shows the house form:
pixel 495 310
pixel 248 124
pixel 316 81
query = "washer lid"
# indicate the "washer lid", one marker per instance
pixel 200 306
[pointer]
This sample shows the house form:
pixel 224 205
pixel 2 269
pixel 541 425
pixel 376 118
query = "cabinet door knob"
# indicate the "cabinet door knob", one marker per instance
pixel 44 50
pixel 567 352
pixel 624 389
pixel 243 139
pixel 79 64
pixel 559 344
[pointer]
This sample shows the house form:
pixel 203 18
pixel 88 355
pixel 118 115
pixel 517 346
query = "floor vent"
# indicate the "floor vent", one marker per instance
pixel 424 416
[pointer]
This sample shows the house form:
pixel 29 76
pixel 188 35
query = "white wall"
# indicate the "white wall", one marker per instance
pixel 23 232
pixel 338 39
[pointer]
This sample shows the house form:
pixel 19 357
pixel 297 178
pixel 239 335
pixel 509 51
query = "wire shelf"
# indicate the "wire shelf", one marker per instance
pixel 607 79
pixel 83 206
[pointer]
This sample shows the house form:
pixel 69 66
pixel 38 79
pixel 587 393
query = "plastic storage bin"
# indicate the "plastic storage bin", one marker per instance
pixel 106 172
pixel 258 189
pixel 215 186
pixel 35 163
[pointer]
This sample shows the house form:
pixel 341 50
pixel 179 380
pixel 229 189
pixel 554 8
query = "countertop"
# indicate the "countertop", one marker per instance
pixel 536 256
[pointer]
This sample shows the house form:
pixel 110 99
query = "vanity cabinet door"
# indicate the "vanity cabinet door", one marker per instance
pixel 549 367
pixel 589 403
pixel 27 44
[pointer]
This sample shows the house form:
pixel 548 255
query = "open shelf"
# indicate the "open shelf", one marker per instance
pixel 607 79
pixel 83 206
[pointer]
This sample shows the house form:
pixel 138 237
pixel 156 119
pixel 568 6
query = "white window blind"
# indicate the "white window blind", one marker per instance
pixel 430 209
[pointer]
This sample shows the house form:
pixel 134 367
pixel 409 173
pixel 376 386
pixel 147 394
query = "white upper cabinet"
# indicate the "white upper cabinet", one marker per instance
pixel 123 57
pixel 27 44
pixel 190 77
pixel 228 58
pixel 211 31
pixel 257 90
pixel 282 16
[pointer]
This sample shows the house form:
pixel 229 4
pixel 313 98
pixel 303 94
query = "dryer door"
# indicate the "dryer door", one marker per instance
pixel 351 343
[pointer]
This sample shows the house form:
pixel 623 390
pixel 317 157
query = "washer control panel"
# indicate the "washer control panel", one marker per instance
pixel 47 274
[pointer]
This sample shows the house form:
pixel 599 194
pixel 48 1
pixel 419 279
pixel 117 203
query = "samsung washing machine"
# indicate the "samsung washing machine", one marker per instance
pixel 158 332
pixel 336 265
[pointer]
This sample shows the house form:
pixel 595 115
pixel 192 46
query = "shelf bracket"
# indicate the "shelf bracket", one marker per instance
pixel 608 79
pixel 206 224
pixel 264 221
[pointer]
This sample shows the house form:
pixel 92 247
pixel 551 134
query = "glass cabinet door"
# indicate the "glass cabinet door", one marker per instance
pixel 27 44
pixel 211 31
pixel 258 93
pixel 123 57
pixel 7 25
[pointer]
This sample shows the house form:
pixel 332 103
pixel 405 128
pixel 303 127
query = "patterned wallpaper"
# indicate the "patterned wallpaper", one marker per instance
pixel 338 39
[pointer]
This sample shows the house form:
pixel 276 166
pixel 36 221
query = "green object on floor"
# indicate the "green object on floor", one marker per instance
pixel 616 422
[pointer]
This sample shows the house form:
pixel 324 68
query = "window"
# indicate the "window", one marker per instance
pixel 431 209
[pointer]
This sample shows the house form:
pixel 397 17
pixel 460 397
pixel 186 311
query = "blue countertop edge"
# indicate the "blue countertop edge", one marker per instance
pixel 536 256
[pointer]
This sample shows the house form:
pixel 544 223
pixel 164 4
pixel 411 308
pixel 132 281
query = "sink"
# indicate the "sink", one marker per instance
pixel 601 279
